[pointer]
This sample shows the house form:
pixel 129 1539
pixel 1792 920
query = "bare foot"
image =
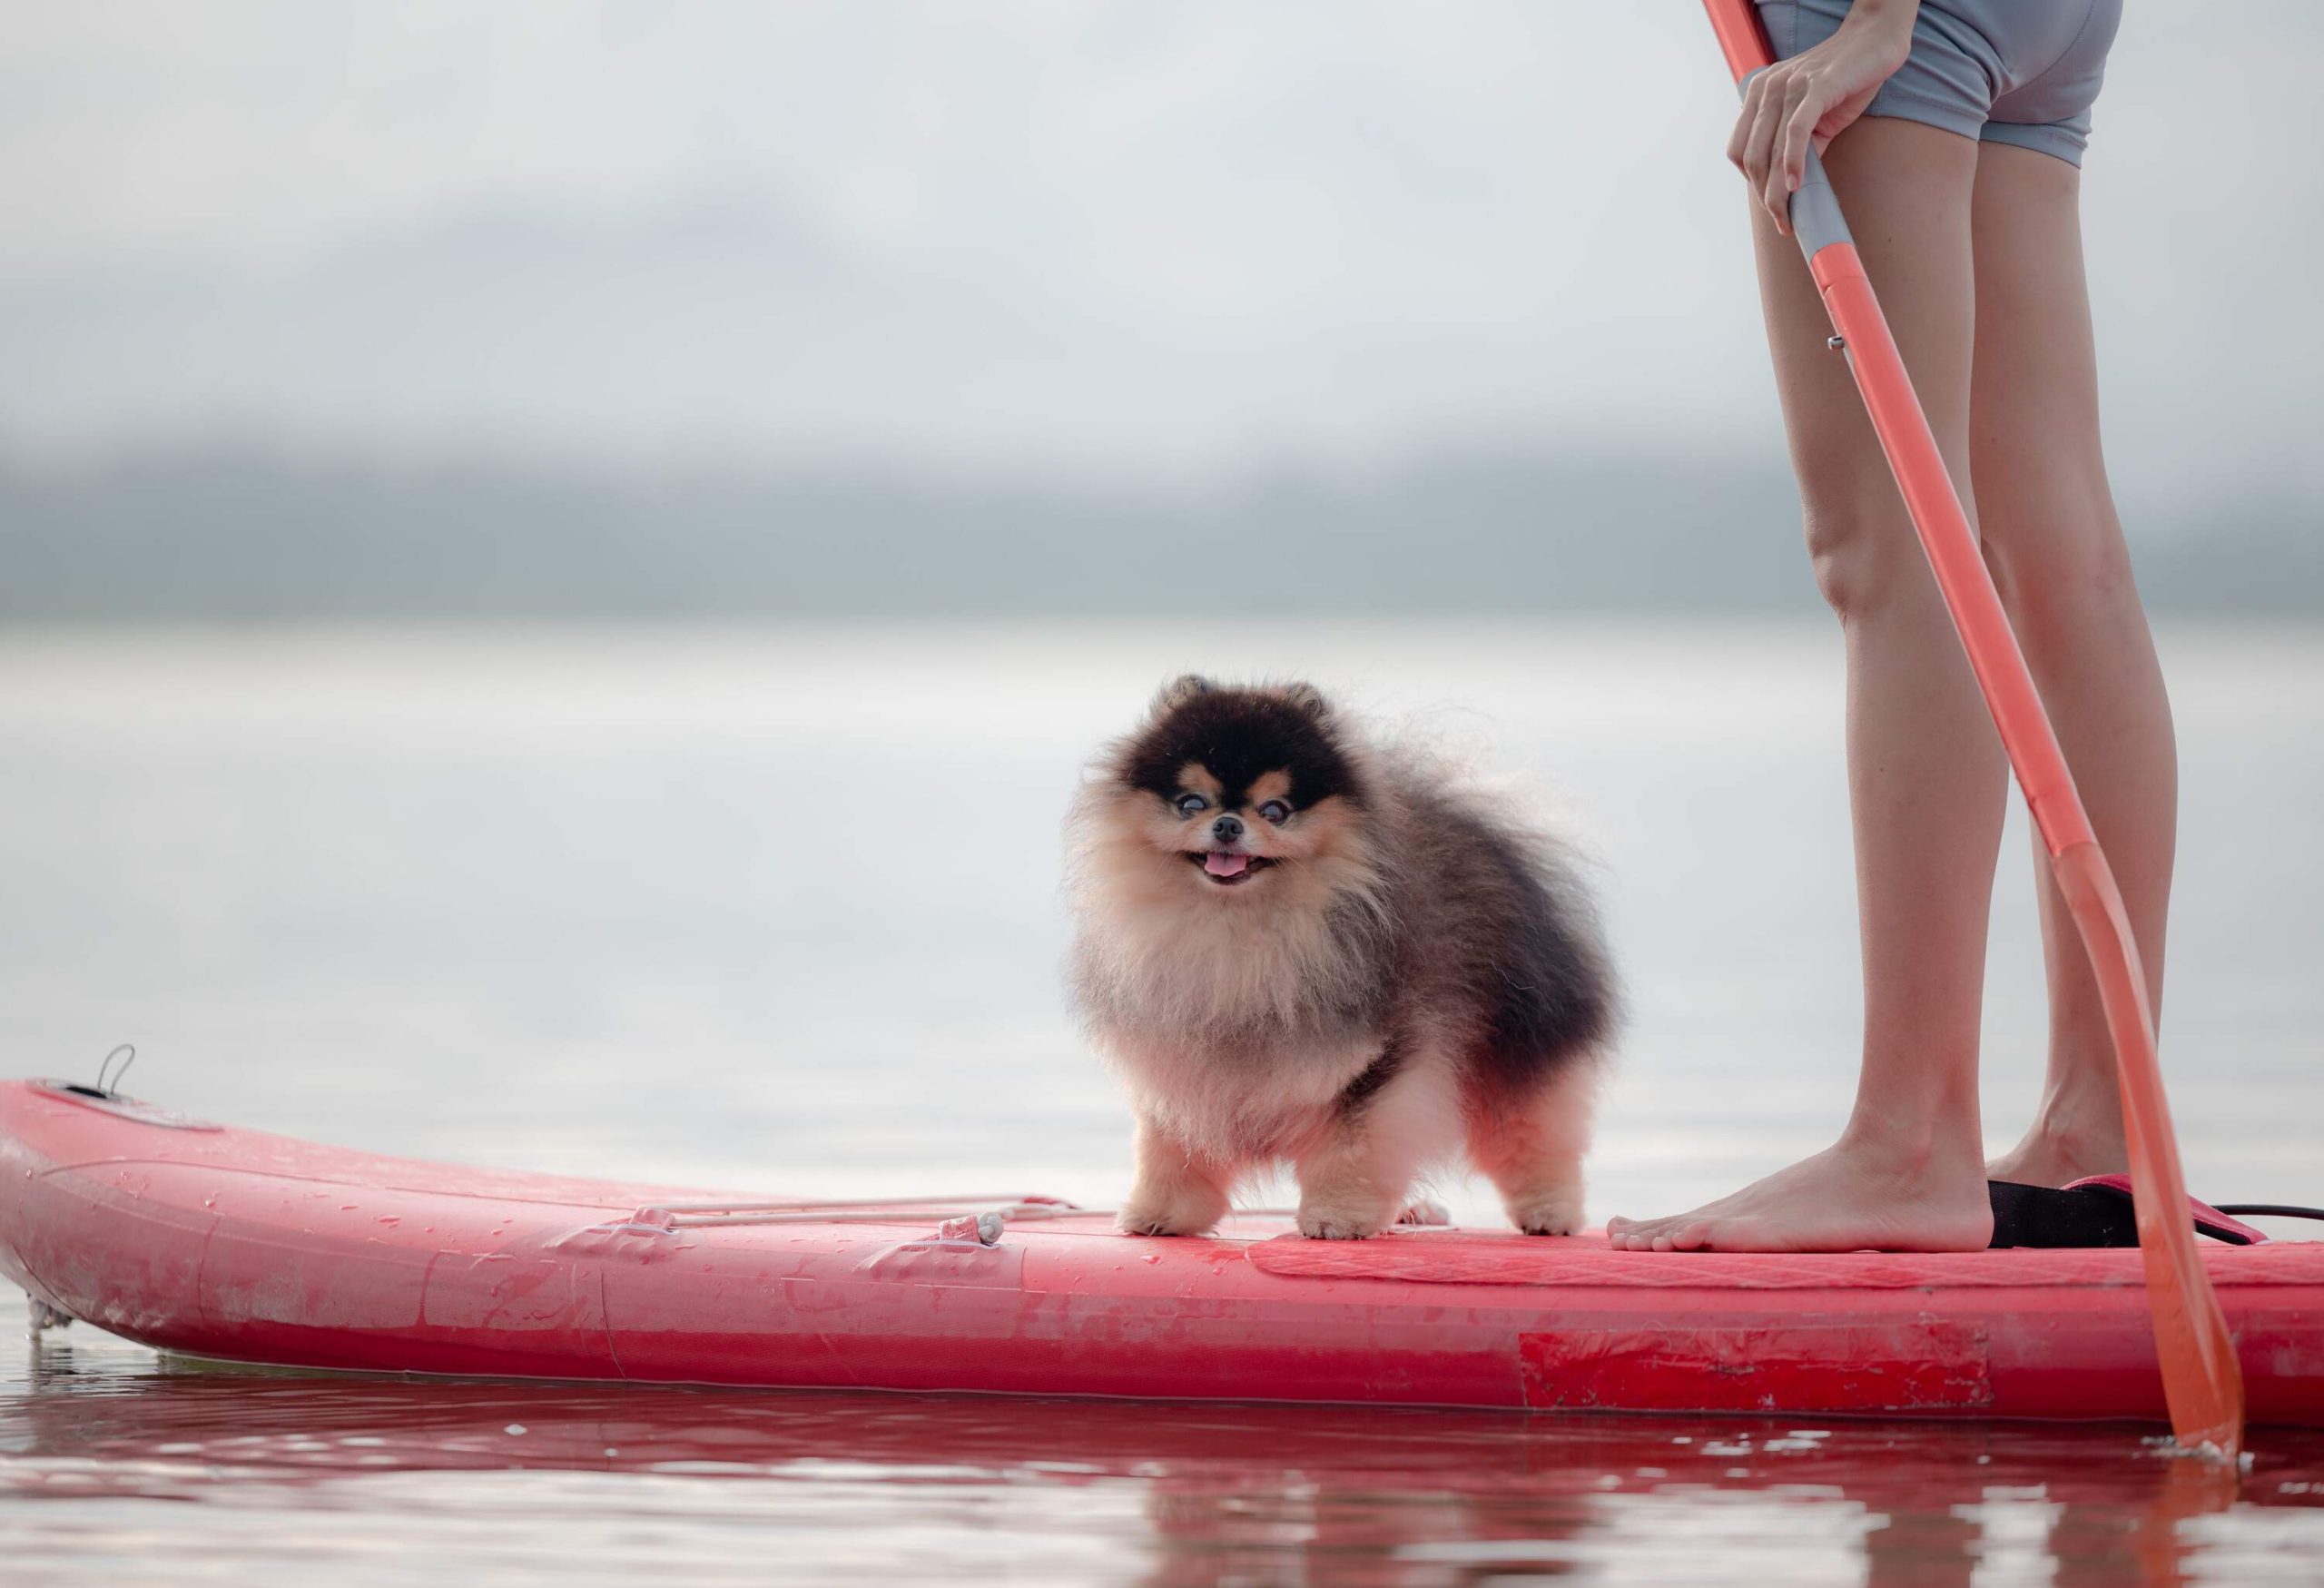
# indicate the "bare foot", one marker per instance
pixel 2048 1161
pixel 2059 1149
pixel 1856 1196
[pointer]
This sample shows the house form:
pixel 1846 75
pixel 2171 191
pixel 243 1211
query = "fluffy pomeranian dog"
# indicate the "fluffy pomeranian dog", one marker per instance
pixel 1296 945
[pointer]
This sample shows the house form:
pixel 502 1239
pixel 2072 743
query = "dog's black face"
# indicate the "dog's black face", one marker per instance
pixel 1245 779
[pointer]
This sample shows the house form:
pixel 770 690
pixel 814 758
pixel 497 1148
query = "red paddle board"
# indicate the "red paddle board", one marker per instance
pixel 232 1244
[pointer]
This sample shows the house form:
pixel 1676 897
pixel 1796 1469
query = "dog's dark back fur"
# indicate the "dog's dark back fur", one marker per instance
pixel 1506 923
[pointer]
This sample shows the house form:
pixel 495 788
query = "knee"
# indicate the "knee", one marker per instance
pixel 1860 552
pixel 1861 544
pixel 2053 565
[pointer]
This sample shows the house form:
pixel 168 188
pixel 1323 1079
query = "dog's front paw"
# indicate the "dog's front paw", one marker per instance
pixel 1337 1224
pixel 1193 1210
pixel 1559 1214
pixel 1170 1194
pixel 1132 1221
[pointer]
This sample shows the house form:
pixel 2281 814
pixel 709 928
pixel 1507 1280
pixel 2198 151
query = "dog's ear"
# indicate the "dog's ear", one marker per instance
pixel 1309 699
pixel 1179 691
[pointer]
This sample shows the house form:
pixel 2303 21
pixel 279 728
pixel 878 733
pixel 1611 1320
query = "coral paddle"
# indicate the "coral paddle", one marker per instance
pixel 2201 1381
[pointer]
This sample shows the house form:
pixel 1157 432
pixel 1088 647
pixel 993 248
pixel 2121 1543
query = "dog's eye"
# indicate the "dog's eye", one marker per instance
pixel 1276 812
pixel 1192 804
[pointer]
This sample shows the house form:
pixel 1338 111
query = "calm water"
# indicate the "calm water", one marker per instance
pixel 781 910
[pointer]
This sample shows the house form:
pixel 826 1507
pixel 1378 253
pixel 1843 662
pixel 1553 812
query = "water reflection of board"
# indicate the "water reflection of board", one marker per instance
pixel 233 1244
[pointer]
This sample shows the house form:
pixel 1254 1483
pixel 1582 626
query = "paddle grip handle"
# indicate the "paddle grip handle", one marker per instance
pixel 1816 219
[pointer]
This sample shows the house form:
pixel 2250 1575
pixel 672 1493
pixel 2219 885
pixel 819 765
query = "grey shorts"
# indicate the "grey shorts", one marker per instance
pixel 2022 71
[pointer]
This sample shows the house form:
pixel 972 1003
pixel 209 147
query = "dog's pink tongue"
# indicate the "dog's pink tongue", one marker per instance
pixel 1225 866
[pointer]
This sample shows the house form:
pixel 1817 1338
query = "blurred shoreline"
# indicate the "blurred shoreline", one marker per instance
pixel 234 535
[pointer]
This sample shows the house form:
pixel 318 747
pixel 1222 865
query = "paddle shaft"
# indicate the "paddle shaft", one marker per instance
pixel 2201 1381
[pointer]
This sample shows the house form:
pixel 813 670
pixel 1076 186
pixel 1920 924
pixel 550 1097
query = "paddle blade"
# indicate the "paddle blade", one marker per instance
pixel 2200 1378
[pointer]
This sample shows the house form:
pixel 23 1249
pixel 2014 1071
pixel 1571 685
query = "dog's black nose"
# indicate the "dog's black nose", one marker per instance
pixel 1226 829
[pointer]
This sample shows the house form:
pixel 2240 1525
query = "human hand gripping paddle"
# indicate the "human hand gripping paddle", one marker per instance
pixel 2201 1381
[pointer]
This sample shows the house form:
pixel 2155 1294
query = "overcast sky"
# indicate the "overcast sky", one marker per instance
pixel 1146 234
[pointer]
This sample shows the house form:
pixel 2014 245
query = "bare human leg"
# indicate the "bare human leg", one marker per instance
pixel 2056 550
pixel 1925 772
